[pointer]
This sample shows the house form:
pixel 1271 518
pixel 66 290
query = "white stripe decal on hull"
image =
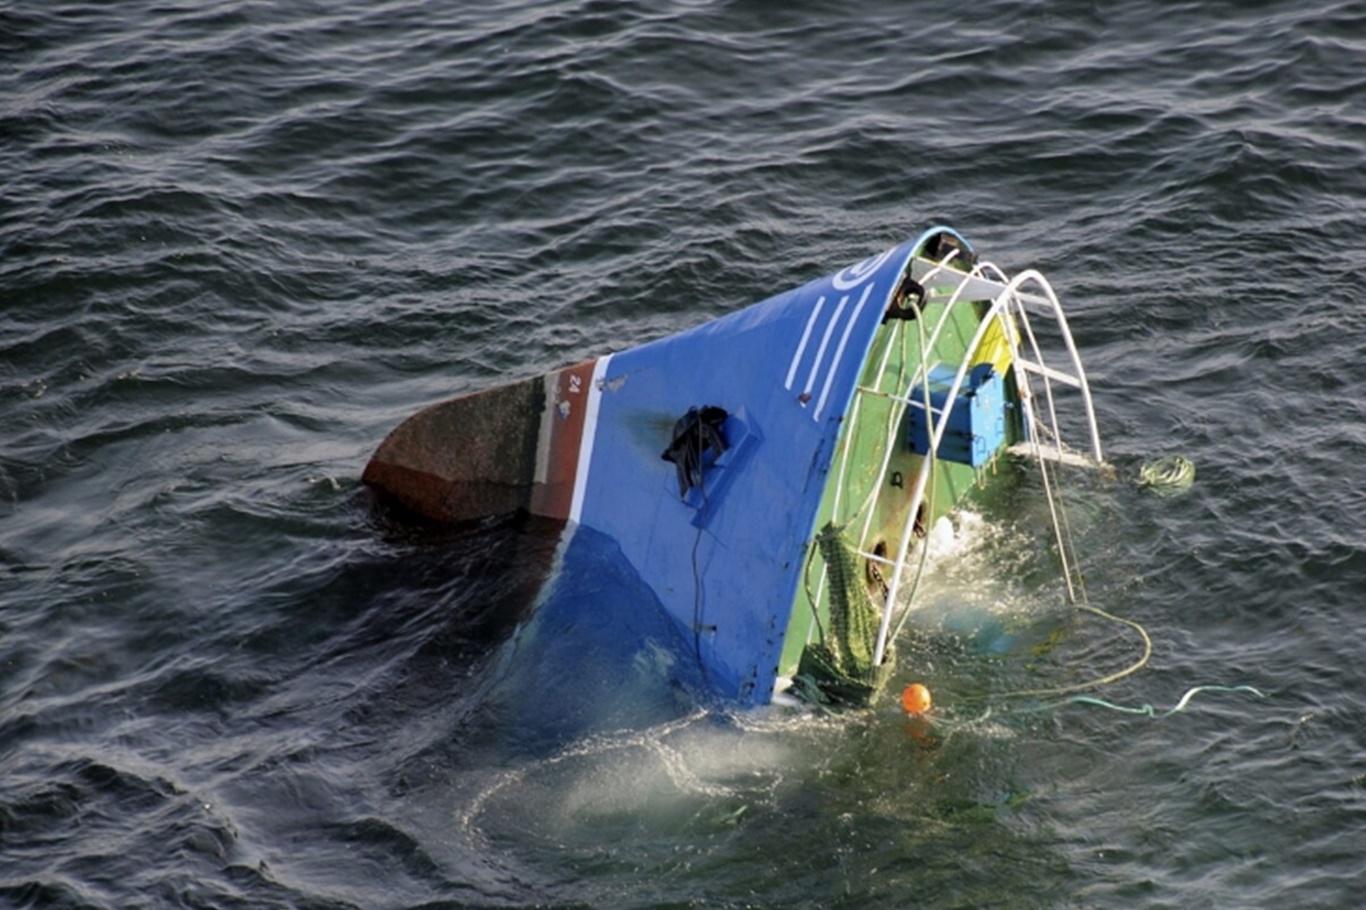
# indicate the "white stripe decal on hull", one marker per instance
pixel 590 429
pixel 839 352
pixel 825 342
pixel 801 347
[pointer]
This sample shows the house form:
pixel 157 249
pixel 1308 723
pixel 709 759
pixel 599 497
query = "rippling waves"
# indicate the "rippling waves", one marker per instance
pixel 240 241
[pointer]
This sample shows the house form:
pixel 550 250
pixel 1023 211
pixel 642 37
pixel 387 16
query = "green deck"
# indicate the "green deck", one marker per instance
pixel 851 500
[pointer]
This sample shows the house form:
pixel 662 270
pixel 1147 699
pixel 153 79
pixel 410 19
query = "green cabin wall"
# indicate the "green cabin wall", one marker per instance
pixel 863 442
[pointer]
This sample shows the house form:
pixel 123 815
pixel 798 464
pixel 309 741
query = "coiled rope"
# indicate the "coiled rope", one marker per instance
pixel 1166 476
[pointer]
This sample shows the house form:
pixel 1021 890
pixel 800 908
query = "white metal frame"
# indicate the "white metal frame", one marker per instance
pixel 1011 302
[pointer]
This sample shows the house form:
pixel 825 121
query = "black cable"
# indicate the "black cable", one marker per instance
pixel 696 572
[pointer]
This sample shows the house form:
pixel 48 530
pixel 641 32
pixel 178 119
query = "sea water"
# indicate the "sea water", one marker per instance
pixel 240 241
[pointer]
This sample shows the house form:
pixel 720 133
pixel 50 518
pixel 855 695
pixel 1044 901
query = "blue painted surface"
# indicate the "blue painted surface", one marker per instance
pixel 977 421
pixel 725 563
pixel 600 633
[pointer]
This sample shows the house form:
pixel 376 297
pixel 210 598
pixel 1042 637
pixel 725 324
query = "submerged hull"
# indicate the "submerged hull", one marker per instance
pixel 766 474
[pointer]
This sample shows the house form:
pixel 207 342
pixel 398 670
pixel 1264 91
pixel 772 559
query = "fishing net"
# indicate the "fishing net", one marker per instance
pixel 839 668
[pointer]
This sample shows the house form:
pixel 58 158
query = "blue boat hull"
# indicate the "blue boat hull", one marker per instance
pixel 722 534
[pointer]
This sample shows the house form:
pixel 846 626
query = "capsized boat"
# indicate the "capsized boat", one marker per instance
pixel 768 475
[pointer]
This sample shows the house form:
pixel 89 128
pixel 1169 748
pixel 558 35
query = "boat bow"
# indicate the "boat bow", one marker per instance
pixel 830 432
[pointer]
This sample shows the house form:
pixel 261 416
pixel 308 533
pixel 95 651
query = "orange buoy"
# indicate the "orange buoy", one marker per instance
pixel 915 699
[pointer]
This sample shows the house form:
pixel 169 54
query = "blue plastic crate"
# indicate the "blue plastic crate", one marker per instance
pixel 977 420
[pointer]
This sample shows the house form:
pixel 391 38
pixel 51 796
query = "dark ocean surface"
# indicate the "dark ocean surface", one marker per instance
pixel 240 241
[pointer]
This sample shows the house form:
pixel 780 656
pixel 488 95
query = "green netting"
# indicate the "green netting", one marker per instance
pixel 840 666
pixel 1167 476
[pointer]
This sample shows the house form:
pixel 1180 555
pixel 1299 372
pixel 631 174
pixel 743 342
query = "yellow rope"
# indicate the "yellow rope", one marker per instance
pixel 1095 683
